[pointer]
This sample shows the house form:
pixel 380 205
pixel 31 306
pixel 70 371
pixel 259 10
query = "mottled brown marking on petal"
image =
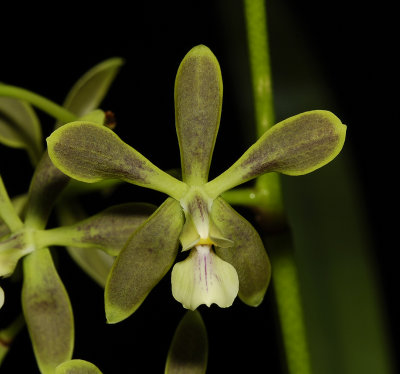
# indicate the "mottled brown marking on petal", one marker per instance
pixel 198 208
pixel 47 311
pixel 144 261
pixel 295 147
pixel 198 95
pixel 87 151
pixel 111 228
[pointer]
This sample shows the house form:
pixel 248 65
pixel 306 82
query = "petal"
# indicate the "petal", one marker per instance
pixel 203 278
pixel 144 261
pixel 89 91
pixel 196 206
pixel 20 127
pixel 247 255
pixel 198 101
pixel 295 146
pixel 1 297
pixel 189 236
pixel 90 153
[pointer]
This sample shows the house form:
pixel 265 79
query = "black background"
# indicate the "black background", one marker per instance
pixel 45 49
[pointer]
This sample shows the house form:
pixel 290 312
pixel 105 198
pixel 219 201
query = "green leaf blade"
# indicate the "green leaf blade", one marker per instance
pixel 247 255
pixel 198 101
pixel 47 311
pixel 90 90
pixel 90 153
pixel 295 146
pixel 144 261
pixel 77 367
pixel 188 353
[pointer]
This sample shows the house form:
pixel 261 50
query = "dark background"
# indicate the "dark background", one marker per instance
pixel 46 49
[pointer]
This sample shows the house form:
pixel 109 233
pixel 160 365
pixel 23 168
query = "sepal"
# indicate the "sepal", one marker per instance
pixel 96 263
pixel 47 311
pixel 198 102
pixel 90 153
pixel 108 230
pixel 20 127
pixel 295 146
pixel 89 91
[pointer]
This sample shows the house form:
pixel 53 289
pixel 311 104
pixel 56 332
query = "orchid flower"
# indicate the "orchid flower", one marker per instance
pixel 226 255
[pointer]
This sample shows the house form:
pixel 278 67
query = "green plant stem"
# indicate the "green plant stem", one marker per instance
pixel 256 26
pixel 266 194
pixel 48 106
pixel 7 211
pixel 288 301
pixel 8 334
pixel 284 271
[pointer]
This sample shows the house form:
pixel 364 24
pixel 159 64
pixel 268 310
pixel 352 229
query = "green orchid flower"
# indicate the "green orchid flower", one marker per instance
pixel 226 255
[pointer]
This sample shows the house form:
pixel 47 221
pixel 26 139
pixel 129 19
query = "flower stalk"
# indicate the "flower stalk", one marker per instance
pixel 267 188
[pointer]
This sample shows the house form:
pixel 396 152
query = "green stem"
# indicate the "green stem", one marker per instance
pixel 285 280
pixel 257 38
pixel 256 25
pixel 48 106
pixel 291 315
pixel 8 334
pixel 288 301
pixel 7 211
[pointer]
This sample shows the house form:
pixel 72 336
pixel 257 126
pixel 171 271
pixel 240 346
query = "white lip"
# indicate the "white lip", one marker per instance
pixel 204 278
